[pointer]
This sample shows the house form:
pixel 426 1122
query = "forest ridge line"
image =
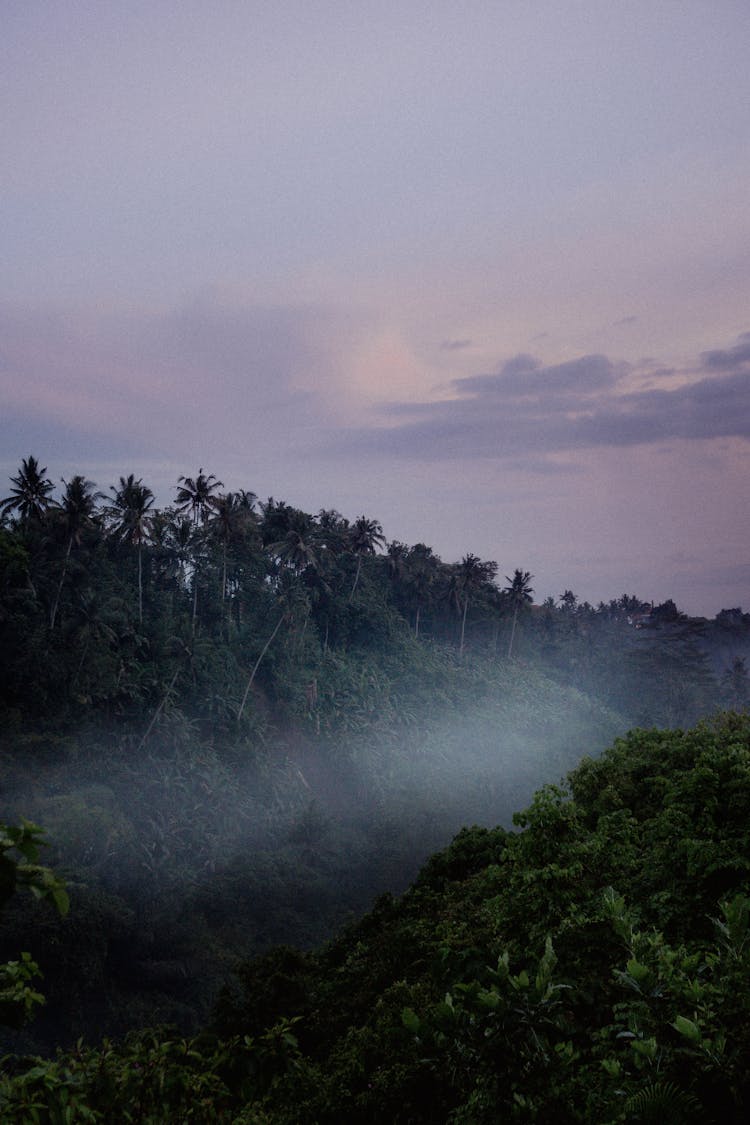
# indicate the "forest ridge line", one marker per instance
pixel 108 575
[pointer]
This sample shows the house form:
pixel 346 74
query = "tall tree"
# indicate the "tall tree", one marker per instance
pixel 179 541
pixel 422 569
pixel 196 496
pixel 365 536
pixel 396 556
pixel 471 575
pixel 31 496
pixel 299 549
pixel 519 592
pixel 335 529
pixel 77 513
pixel 231 512
pixel 129 511
pixel 279 518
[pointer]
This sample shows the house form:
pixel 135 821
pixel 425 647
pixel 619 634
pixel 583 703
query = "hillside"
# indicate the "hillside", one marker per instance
pixel 240 722
pixel 589 965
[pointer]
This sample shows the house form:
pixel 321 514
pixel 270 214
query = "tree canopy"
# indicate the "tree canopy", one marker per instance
pixel 240 722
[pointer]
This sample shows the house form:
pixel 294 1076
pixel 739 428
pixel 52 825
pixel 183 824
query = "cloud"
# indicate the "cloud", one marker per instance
pixel 524 376
pixel 731 359
pixel 529 411
pixel 454 345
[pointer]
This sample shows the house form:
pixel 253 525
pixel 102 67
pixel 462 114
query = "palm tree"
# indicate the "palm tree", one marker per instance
pixel 78 510
pixel 412 571
pixel 519 593
pixel 179 540
pixel 334 532
pixel 364 537
pixel 279 518
pixel 196 497
pixel 244 499
pixel 231 510
pixel 397 554
pixel 299 549
pixel 470 576
pixel 31 495
pixel 422 568
pixel 129 511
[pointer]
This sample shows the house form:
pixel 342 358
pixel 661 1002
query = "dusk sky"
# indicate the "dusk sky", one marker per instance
pixel 479 271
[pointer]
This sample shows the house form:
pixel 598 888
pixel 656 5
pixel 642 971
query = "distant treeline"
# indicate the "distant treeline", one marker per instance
pixel 228 608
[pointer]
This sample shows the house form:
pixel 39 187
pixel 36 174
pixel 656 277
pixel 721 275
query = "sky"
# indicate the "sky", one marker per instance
pixel 479 272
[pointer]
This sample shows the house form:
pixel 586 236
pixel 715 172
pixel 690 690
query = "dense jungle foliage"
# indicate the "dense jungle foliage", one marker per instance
pixel 239 723
pixel 591 965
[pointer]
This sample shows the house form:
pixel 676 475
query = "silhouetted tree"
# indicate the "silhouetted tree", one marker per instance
pixel 232 512
pixel 129 510
pixel 519 592
pixel 469 577
pixel 196 496
pixel 31 496
pixel 422 571
pixel 77 512
pixel 364 537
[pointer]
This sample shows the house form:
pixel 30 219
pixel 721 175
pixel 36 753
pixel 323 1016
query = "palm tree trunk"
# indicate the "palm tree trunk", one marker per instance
pixel 77 676
pixel 158 710
pixel 257 665
pixel 356 576
pixel 416 622
pixel 140 585
pixel 512 632
pixel 53 614
pixel 463 627
pixel 224 590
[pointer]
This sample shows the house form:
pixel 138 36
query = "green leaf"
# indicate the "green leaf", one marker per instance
pixel 646 1048
pixel 687 1028
pixel 61 899
pixel 488 999
pixel 638 971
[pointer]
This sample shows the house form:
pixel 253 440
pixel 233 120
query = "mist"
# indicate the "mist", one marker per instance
pixel 175 839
